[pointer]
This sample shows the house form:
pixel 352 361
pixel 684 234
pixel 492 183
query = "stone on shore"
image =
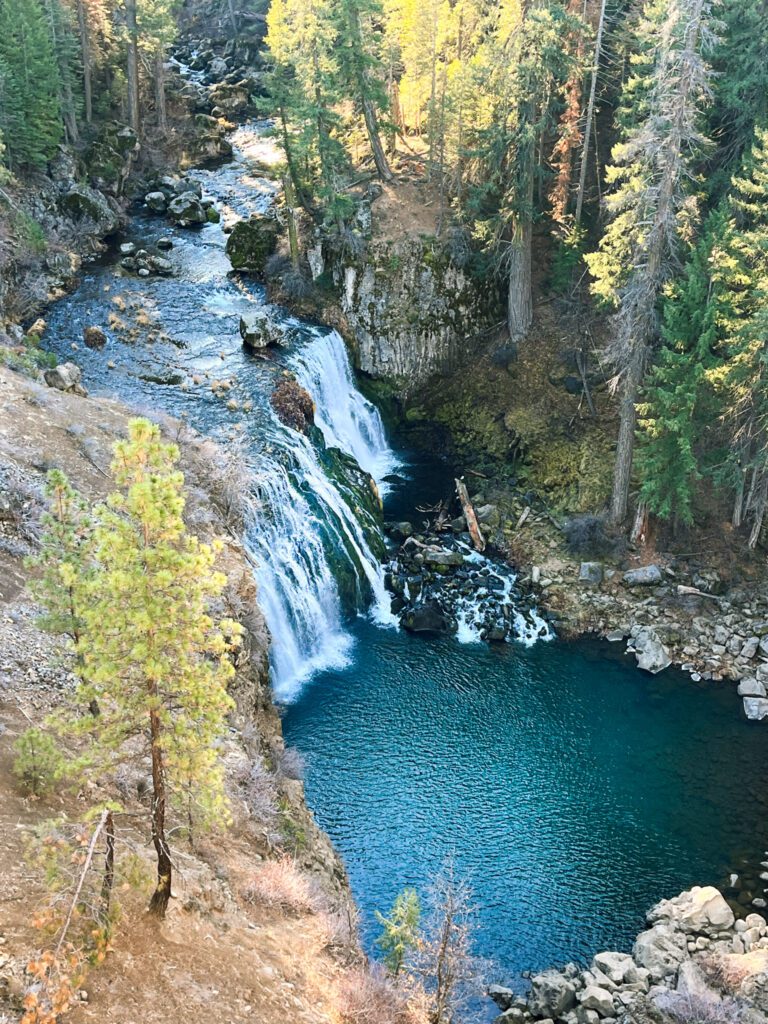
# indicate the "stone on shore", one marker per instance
pixel 65 377
pixel 701 910
pixel 598 999
pixel 425 618
pixel 650 652
pixel 551 995
pixel 755 708
pixel 646 576
pixel 751 688
pixel 590 572
pixel 442 557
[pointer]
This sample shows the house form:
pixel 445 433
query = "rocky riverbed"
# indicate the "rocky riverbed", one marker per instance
pixel 694 963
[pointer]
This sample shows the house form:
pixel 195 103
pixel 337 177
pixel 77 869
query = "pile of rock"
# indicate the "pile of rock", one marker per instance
pixel 694 954
pixel 181 200
pixel 440 585
pixel 145 264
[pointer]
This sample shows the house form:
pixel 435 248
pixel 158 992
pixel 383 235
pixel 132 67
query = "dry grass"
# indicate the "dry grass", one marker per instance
pixel 368 995
pixel 281 885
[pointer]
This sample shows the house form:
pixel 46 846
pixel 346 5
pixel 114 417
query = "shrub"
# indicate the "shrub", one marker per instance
pixel 588 535
pixel 259 794
pixel 289 764
pixel 280 884
pixel 297 284
pixel 369 996
pixel 685 1008
pixel 38 761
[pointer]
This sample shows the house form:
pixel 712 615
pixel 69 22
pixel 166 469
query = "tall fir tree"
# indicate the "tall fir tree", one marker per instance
pixel 30 85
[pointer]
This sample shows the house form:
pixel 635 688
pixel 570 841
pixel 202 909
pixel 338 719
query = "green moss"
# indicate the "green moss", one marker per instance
pixel 29 232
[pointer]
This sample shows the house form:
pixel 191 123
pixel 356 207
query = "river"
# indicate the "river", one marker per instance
pixel 572 790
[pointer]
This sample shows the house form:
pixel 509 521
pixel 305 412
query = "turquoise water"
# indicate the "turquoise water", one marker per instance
pixel 572 790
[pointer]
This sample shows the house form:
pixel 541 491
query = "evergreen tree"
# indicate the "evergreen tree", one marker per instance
pixel 671 421
pixel 153 660
pixel 63 560
pixel 741 379
pixel 649 177
pixel 400 934
pixel 30 85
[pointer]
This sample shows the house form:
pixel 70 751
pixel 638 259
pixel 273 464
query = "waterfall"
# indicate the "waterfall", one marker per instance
pixel 347 419
pixel 302 522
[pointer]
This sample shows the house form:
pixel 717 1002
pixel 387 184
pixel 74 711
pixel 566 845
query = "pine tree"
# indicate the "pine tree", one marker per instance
pixel 30 85
pixel 400 933
pixel 742 377
pixel 153 660
pixel 673 423
pixel 649 175
pixel 360 68
pixel 63 560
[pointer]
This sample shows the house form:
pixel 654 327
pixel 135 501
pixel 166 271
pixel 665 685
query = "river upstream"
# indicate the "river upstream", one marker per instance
pixel 572 790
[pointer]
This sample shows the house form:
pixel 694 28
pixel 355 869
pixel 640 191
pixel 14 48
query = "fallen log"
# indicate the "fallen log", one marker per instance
pixel 478 541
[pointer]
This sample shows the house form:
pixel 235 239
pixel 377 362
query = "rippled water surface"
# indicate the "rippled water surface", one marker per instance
pixel 573 790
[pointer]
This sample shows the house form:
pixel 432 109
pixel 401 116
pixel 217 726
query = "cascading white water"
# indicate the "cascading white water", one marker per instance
pixel 289 533
pixel 347 419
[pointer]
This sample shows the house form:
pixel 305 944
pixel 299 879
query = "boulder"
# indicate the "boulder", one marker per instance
pixel 755 708
pixel 700 910
pixel 645 576
pixel 615 966
pixel 503 997
pixel 156 201
pixel 65 377
pixel 94 337
pixel 425 618
pixel 661 950
pixel 651 654
pixel 443 557
pixel 251 243
pixel 401 530
pixel 751 688
pixel 161 265
pixel 89 206
pixel 598 999
pixel 164 244
pixel 186 210
pixel 551 995
pixel 488 515
pixel 127 249
pixel 258 329
pixel 590 572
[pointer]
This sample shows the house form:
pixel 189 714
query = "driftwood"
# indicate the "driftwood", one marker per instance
pixel 523 516
pixel 478 540
pixel 682 589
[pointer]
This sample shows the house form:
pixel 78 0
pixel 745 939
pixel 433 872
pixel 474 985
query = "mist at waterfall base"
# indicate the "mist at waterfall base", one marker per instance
pixel 573 791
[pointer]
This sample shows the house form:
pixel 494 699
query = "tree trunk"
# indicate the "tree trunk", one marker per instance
pixel 372 127
pixel 85 57
pixel 590 114
pixel 478 540
pixel 293 236
pixel 159 902
pixel 162 118
pixel 109 867
pixel 520 295
pixel 625 445
pixel 132 68
pixel 232 16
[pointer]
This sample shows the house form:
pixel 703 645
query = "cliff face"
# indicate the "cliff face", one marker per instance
pixel 411 309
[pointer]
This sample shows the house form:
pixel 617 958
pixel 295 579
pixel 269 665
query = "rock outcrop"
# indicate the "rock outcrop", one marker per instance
pixel 412 311
pixel 693 963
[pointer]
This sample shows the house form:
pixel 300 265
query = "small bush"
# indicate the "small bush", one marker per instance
pixel 692 1009
pixel 276 265
pixel 259 794
pixel 289 764
pixel 296 284
pixel 368 996
pixel 38 761
pixel 280 884
pixel 589 535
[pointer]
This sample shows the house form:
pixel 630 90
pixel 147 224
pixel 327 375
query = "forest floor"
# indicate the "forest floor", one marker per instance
pixel 222 953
